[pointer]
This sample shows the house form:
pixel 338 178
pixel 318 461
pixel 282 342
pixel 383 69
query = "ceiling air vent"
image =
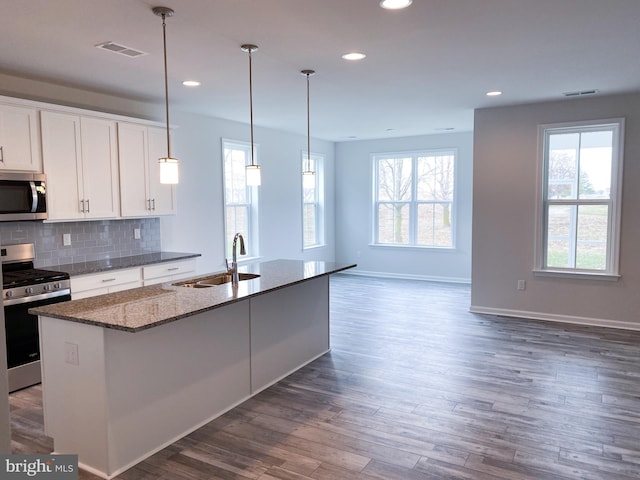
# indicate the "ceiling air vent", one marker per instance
pixel 580 93
pixel 121 49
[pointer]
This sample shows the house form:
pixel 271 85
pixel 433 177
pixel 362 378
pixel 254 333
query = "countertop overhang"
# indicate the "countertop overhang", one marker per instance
pixel 145 307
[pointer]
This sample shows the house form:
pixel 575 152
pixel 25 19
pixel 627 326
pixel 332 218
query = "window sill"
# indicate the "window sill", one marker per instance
pixel 413 247
pixel 607 277
pixel 313 247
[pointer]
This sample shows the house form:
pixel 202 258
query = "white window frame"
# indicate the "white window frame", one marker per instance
pixel 614 203
pixel 413 203
pixel 318 162
pixel 251 238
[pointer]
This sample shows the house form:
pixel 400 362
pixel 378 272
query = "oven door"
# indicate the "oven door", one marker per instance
pixel 23 341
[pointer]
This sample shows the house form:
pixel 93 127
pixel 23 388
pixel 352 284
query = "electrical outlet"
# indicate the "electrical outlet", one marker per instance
pixel 71 353
pixel 66 239
pixel 522 284
pixel 136 234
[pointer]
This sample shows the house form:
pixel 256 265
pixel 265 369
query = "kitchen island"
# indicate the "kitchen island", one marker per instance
pixel 128 373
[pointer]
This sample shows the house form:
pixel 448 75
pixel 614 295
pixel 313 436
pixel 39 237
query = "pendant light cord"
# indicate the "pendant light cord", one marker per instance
pixel 308 128
pixel 166 82
pixel 308 73
pixel 251 104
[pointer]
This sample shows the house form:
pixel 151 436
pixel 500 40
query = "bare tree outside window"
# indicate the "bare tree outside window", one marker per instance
pixel 414 199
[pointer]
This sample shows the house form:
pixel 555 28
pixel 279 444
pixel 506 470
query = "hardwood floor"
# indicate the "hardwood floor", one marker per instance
pixel 416 387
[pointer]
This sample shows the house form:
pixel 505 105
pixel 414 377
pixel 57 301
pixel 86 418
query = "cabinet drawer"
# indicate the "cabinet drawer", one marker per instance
pixel 169 269
pixel 104 280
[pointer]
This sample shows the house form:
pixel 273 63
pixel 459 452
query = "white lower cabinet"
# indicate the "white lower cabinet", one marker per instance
pixel 169 271
pixel 83 286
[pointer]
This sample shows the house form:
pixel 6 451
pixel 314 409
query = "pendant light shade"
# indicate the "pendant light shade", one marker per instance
pixel 253 176
pixel 308 175
pixel 169 166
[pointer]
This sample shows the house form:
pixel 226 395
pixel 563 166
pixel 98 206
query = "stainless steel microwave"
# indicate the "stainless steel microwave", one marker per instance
pixel 23 196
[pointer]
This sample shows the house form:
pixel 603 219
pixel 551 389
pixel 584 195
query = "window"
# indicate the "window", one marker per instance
pixel 313 203
pixel 414 198
pixel 580 209
pixel 240 201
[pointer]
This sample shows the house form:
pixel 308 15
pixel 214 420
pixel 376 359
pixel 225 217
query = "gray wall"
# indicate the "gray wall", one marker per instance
pixel 504 196
pixel 198 227
pixel 353 212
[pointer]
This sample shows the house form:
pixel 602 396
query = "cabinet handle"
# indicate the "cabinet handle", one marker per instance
pixel 105 280
pixel 88 209
pixel 82 206
pixel 1 154
pixel 154 203
pixel 172 269
pixel 148 204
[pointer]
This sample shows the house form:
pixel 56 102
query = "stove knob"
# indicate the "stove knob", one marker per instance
pixel 48 288
pixel 57 285
pixel 29 290
pixel 9 294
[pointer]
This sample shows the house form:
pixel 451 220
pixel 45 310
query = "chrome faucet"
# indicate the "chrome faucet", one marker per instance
pixel 233 270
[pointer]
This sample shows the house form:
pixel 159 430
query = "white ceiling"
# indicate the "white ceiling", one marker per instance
pixel 427 67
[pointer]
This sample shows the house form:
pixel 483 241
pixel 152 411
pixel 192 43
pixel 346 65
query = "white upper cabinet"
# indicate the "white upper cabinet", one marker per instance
pixel 19 139
pixel 81 163
pixel 141 192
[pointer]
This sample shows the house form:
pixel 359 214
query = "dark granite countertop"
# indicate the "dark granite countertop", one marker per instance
pixel 145 307
pixel 83 268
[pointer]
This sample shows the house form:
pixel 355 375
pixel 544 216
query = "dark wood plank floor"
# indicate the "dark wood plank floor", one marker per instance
pixel 416 387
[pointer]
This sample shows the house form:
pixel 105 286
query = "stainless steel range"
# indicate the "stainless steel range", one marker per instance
pixel 24 287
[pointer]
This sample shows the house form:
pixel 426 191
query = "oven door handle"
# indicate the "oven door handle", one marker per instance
pixel 35 298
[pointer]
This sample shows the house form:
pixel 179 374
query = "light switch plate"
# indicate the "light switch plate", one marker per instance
pixel 136 234
pixel 66 239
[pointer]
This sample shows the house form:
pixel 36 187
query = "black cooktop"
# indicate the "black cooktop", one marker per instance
pixel 27 275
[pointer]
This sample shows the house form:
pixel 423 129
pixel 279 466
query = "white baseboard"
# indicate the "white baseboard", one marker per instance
pixel 551 317
pixel 406 276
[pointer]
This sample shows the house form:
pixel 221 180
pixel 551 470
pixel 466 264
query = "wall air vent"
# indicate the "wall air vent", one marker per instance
pixel 121 49
pixel 580 93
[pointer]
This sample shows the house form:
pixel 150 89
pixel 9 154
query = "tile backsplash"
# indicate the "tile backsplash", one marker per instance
pixel 96 240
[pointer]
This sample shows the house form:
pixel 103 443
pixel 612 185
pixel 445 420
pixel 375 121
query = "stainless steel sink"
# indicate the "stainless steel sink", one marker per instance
pixel 213 280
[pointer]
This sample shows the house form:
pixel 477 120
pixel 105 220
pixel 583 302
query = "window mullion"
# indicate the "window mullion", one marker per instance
pixel 413 209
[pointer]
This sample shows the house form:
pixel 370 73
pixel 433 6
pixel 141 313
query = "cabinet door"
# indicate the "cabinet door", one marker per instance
pixel 163 198
pixel 133 154
pixel 19 139
pixel 61 154
pixel 100 168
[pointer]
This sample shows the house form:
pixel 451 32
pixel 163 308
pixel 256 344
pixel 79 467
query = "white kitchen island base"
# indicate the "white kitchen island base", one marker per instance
pixel 129 395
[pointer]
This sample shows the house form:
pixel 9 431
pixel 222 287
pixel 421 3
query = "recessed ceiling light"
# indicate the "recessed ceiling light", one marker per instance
pixel 191 83
pixel 494 93
pixel 353 56
pixel 395 4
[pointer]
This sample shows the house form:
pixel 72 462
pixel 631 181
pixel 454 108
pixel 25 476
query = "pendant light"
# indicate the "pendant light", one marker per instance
pixel 252 170
pixel 308 175
pixel 169 171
